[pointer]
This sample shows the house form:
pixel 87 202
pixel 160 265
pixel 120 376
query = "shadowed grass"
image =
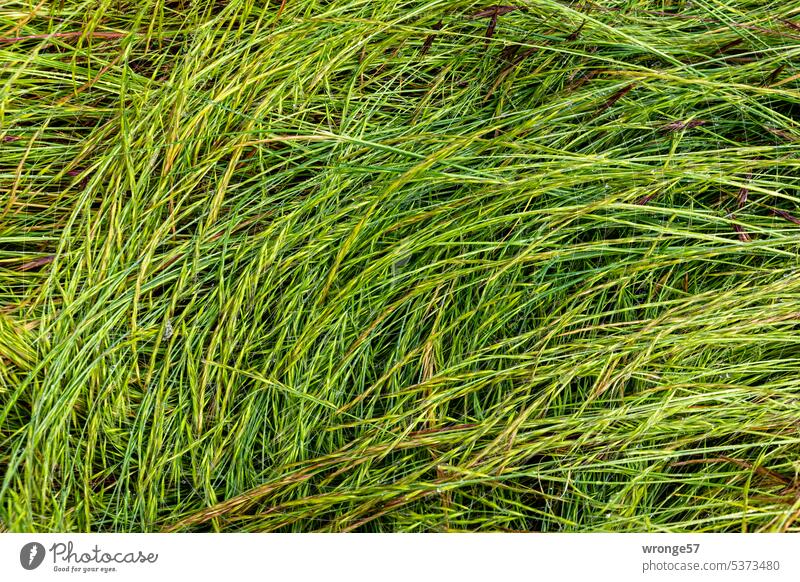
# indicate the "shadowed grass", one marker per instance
pixel 399 266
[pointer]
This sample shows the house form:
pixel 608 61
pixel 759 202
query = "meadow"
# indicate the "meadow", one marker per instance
pixel 399 265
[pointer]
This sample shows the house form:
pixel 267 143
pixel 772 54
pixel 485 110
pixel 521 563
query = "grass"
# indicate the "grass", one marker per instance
pixel 416 265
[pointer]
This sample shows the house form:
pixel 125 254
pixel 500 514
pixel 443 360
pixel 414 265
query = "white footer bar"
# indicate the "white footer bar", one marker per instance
pixel 402 557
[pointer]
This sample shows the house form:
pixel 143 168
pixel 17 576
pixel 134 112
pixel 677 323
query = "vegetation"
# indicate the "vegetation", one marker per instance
pixel 399 265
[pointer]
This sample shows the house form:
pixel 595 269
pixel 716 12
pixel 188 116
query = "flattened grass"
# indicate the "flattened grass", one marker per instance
pixel 399 266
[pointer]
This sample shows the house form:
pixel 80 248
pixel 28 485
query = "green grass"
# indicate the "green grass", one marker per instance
pixel 382 265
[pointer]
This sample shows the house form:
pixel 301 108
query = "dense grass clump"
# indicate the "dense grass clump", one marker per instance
pixel 418 265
